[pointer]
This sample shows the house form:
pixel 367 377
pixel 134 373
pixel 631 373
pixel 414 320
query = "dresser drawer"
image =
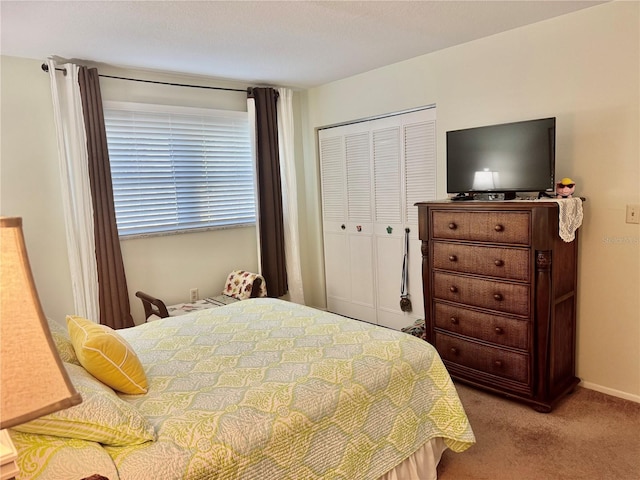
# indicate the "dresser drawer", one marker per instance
pixel 507 331
pixel 502 262
pixel 506 364
pixel 500 296
pixel 480 226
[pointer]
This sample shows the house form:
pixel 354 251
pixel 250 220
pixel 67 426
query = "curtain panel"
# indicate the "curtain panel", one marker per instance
pixel 289 195
pixel 76 191
pixel 271 223
pixel 115 309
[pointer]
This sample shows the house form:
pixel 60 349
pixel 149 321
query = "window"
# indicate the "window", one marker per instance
pixel 176 169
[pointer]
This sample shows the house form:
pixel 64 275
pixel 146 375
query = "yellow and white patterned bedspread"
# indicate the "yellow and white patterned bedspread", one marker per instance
pixel 269 390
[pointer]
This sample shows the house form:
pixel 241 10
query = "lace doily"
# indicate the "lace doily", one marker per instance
pixel 570 217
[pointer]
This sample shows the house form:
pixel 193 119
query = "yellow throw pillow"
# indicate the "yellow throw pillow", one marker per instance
pixel 101 417
pixel 107 356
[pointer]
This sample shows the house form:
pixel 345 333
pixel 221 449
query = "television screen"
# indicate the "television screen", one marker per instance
pixel 510 157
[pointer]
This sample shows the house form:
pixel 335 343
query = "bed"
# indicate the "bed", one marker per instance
pixel 259 389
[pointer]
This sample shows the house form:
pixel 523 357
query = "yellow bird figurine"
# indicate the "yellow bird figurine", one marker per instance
pixel 565 188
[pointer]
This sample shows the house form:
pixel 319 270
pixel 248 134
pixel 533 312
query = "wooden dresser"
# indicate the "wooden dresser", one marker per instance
pixel 500 296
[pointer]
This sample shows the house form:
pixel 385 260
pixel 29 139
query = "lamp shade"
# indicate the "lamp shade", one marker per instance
pixel 33 379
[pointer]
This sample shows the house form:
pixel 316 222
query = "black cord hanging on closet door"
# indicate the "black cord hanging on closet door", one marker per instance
pixel 405 303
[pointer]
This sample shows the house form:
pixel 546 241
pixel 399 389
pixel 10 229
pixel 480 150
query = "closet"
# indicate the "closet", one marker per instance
pixel 373 173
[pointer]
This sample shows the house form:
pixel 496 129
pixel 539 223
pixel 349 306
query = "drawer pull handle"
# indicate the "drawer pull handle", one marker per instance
pixel 499 228
pixel 453 289
pixel 454 350
pixel 453 258
pixel 499 330
pixel 452 226
pixel 498 363
pixel 454 320
pixel 343 226
pixel 498 297
pixel 498 263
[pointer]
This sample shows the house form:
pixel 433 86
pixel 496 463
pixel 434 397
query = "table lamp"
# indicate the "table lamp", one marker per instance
pixel 33 380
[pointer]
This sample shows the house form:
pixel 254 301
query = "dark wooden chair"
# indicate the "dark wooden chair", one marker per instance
pixel 152 305
pixel 155 306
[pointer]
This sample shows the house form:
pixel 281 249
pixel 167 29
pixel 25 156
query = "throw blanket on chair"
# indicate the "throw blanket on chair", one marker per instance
pixel 240 285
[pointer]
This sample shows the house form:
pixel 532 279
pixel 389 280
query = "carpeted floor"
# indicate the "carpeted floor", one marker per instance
pixel 588 436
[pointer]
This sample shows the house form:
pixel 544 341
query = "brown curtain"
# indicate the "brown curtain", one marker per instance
pixel 115 310
pixel 271 221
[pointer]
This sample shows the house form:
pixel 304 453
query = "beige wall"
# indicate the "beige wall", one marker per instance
pixel 166 266
pixel 29 178
pixel 581 68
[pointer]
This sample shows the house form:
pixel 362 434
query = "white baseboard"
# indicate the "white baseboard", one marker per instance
pixel 611 391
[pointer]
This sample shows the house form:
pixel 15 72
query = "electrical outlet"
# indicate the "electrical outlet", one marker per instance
pixel 194 294
pixel 633 213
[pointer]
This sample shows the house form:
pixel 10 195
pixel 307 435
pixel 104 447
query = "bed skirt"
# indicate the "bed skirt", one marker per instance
pixel 421 465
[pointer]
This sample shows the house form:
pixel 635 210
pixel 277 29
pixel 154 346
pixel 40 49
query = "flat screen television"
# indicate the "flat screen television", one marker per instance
pixel 503 159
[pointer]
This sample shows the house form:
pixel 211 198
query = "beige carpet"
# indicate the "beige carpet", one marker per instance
pixel 589 435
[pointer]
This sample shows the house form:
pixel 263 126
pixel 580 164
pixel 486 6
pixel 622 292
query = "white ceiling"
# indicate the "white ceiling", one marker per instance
pixel 298 44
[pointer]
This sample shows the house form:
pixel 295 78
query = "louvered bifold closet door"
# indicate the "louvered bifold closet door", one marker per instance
pixel 373 172
pixel 360 226
pixel 334 211
pixel 419 145
pixel 347 221
pixel 389 226
pixel 404 164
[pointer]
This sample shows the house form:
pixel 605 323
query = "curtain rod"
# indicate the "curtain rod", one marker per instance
pixel 45 68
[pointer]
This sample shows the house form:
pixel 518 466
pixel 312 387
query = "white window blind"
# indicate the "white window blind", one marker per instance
pixel 179 168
